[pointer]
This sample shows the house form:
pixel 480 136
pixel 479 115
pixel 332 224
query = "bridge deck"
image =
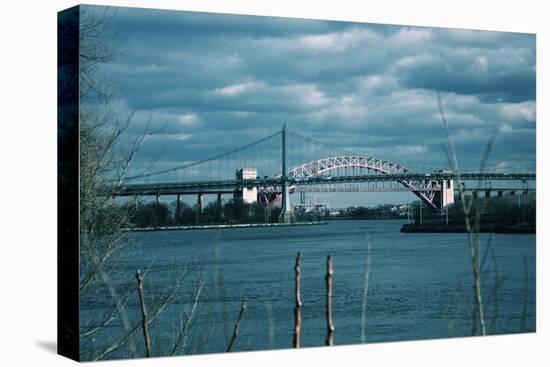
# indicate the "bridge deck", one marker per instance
pixel 228 186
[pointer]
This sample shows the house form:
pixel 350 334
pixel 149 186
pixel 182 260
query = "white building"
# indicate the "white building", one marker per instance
pixel 248 195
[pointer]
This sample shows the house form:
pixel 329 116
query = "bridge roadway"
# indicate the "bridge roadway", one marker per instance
pixel 228 186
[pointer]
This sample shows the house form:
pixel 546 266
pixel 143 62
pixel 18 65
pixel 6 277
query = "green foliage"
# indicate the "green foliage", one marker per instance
pixel 152 214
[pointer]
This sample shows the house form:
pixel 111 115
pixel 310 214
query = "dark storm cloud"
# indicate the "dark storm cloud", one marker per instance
pixel 156 24
pixel 504 74
pixel 214 82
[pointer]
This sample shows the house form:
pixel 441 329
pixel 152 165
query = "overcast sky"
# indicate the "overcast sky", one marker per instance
pixel 219 81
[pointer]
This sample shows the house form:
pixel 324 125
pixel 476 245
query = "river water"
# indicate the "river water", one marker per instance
pixel 420 285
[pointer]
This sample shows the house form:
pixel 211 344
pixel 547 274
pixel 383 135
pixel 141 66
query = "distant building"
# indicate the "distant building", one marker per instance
pixel 248 195
pixel 309 206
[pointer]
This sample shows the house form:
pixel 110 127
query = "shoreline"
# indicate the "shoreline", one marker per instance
pixel 222 226
pixel 487 228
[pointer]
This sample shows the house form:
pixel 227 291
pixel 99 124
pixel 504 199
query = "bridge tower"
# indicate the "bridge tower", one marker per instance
pixel 287 215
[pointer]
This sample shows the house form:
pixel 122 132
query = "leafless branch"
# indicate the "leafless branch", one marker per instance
pixel 485 254
pixel 298 307
pixel 330 321
pixel 523 325
pixel 365 293
pixel 181 340
pixel 120 309
pixel 130 335
pixel 237 326
pixel 144 322
pixel 495 295
pixel 105 318
pixel 472 224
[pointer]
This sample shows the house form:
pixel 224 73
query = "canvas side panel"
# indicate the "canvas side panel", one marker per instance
pixel 67 183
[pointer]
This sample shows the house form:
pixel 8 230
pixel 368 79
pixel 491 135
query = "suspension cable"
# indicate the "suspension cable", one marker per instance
pixel 204 160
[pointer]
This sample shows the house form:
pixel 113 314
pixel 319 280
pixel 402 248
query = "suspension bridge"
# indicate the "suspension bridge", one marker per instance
pixel 258 172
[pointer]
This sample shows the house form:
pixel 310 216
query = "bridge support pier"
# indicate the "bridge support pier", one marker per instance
pixel 287 215
pixel 199 209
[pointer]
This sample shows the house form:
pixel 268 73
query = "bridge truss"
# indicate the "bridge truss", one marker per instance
pixel 426 189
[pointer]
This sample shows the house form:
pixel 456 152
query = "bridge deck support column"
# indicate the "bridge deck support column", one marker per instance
pixel 199 209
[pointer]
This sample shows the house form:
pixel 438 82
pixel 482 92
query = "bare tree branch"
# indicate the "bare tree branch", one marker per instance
pixel 472 225
pixel 330 321
pixel 365 292
pixel 237 326
pixel 144 323
pixel 298 307
pixel 181 340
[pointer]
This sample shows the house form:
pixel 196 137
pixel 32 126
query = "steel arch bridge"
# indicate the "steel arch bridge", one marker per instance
pixel 428 190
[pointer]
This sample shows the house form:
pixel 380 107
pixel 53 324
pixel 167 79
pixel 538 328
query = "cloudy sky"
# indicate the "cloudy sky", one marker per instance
pixel 219 81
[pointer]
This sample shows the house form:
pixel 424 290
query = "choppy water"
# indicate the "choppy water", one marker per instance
pixel 420 285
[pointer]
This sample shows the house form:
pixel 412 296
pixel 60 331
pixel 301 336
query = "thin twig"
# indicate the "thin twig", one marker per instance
pixel 473 231
pixel 487 248
pixel 523 326
pixel 106 317
pixel 270 324
pixel 330 322
pixel 181 340
pixel 365 294
pixel 144 323
pixel 155 312
pixel 116 299
pixel 298 308
pixel 495 295
pixel 237 326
